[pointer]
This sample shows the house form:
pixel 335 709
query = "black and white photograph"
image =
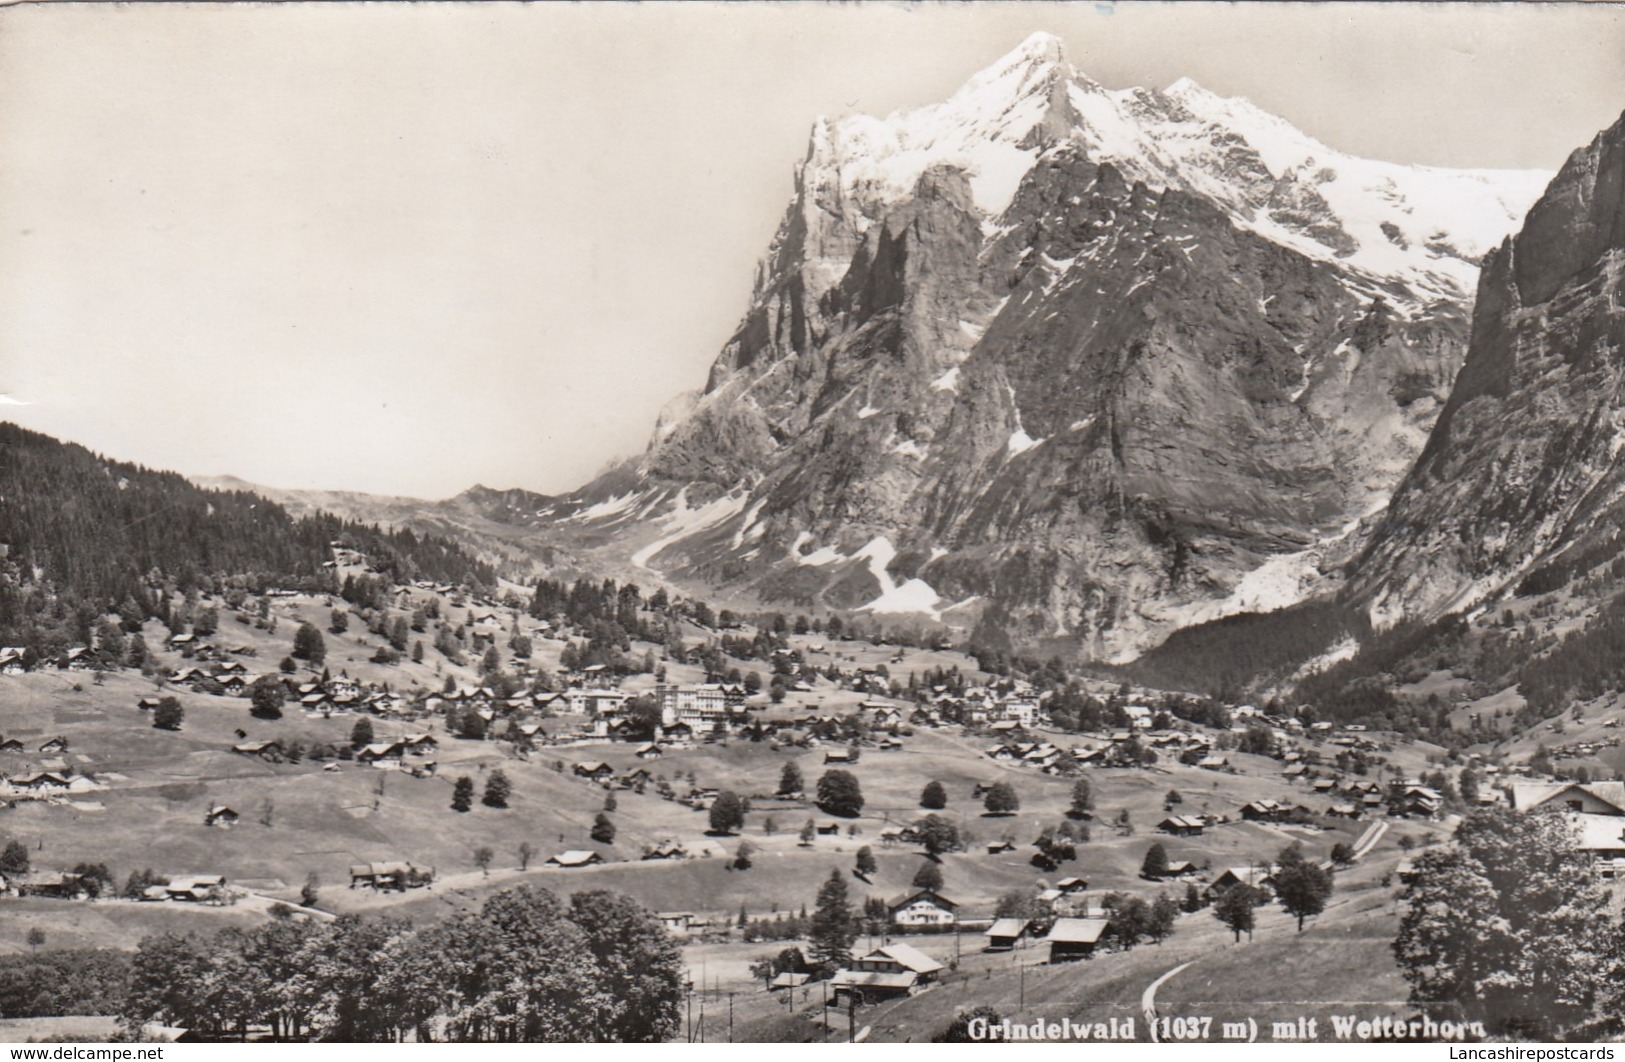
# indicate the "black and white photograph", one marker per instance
pixel 811 522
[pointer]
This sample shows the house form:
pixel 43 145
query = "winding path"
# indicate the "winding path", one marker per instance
pixel 1148 998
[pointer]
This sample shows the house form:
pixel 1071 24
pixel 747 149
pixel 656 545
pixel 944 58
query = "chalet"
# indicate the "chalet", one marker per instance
pixel 12 660
pixel 1406 872
pixel 1297 770
pixel 998 847
pixel 885 973
pixel 1213 763
pixel 195 887
pixel 871 986
pixel 1004 933
pixel 1071 939
pixel 56 744
pixel 420 744
pixel 56 885
pixel 838 756
pixel 789 980
pixel 39 781
pixel 575 858
pixel 264 749
pixel 676 922
pixel 1230 877
pixel 1371 800
pixel 1179 868
pixel 828 829
pixel 1595 798
pixel 398 874
pixel 595 702
pixel 1072 886
pixel 597 770
pixel 1323 785
pixel 650 751
pixel 1265 811
pixel 11 745
pixel 222 816
pixel 899 958
pixel 380 752
pixel 924 908
pixel 178 640
pixel 1418 800
pixel 1182 825
pixel 1595 811
pixel 1344 811
pixel 677 733
pixel 665 850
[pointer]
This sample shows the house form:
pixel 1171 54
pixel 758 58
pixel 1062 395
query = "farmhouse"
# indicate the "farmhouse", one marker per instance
pixel 398 874
pixel 1071 939
pixel 1230 877
pixel 1265 811
pixel 925 908
pixel 39 781
pixel 380 753
pixel 56 885
pixel 221 816
pixel 1182 826
pixel 196 887
pixel 597 770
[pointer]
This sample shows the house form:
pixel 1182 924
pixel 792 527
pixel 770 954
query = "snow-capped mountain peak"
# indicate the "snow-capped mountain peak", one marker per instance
pixel 1422 228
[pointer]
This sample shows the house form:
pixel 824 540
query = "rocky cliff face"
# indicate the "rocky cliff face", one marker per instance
pixel 1111 362
pixel 1522 466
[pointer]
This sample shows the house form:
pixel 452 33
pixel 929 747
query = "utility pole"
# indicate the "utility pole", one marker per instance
pixel 851 1017
pixel 730 1017
pixel 690 987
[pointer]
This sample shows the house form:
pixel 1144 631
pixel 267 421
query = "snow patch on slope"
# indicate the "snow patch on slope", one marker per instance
pixel 682 522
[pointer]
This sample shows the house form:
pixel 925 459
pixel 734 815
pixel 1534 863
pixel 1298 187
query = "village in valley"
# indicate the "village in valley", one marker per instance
pixel 1007 839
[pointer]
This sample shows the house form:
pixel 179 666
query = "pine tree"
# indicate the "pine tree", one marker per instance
pixel 831 934
pixel 790 779
pixel 933 796
pixel 1155 866
pixel 462 794
pixel 603 830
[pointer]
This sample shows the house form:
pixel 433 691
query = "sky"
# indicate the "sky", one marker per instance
pixel 405 248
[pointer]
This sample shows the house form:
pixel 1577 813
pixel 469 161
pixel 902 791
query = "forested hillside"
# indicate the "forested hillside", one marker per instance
pixel 81 535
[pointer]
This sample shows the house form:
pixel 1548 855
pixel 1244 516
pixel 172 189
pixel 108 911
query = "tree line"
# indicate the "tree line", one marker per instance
pixel 528 967
pixel 86 536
